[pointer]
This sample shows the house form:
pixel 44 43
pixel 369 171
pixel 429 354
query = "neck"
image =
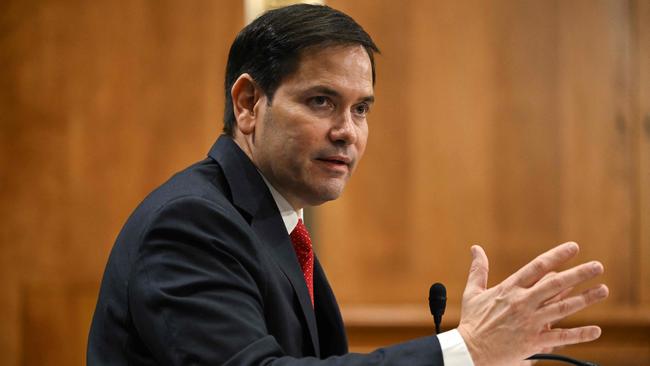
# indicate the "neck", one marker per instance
pixel 244 143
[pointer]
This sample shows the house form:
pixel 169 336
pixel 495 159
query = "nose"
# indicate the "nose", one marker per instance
pixel 344 131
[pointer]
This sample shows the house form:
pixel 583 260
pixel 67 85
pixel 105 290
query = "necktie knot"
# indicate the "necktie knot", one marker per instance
pixel 302 246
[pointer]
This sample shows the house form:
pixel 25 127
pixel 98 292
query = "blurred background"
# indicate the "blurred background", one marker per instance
pixel 514 124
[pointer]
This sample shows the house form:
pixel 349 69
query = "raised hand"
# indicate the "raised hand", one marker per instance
pixel 510 321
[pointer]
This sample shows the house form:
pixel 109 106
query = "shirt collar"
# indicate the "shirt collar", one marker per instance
pixel 289 215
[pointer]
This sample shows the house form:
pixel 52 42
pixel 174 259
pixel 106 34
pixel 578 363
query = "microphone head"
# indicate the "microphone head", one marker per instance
pixel 437 299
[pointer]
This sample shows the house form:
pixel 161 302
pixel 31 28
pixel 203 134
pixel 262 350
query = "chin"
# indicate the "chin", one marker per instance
pixel 317 192
pixel 326 195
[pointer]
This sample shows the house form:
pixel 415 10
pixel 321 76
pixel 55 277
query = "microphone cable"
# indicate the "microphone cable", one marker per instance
pixel 552 357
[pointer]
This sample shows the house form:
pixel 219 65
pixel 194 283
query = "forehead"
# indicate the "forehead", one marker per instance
pixel 338 67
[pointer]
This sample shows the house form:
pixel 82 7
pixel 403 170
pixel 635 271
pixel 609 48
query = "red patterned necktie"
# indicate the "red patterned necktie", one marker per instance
pixel 302 245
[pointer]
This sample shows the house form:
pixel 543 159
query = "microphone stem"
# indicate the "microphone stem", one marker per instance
pixel 437 319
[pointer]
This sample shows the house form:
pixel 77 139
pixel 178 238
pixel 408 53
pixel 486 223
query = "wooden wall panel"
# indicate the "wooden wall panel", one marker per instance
pixel 642 11
pixel 599 192
pixel 518 129
pixel 55 321
pixel 100 101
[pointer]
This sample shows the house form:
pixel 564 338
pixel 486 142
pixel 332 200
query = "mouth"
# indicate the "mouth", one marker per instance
pixel 336 160
pixel 340 164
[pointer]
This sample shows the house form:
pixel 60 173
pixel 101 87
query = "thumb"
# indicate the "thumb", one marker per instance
pixel 478 271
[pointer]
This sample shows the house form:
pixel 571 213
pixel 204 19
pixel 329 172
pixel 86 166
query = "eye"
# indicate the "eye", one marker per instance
pixel 320 101
pixel 362 109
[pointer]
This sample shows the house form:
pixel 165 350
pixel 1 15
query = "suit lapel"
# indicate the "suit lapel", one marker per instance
pixel 331 331
pixel 251 195
pixel 272 231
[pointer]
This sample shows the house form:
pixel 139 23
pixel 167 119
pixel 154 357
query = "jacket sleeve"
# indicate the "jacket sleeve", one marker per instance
pixel 196 295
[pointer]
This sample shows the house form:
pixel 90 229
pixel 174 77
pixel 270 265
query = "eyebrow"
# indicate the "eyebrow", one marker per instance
pixel 321 89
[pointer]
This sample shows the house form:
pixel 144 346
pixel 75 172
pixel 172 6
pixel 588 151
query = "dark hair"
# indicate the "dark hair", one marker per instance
pixel 270 47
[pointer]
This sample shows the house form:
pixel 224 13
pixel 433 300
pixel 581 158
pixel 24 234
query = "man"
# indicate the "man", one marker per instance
pixel 215 266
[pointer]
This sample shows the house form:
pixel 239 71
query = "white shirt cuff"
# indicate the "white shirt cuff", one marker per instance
pixel 454 350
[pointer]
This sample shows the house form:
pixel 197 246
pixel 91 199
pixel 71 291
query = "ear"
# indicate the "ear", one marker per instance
pixel 245 96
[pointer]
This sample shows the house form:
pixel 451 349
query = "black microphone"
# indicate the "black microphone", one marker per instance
pixel 437 303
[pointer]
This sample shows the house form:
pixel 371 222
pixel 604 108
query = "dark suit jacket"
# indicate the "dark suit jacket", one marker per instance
pixel 204 273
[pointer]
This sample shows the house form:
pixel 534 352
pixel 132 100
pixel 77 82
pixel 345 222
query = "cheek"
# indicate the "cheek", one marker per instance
pixel 362 139
pixel 309 137
pixel 296 149
pixel 301 131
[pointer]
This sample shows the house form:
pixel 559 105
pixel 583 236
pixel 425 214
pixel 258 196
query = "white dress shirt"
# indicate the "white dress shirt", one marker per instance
pixel 454 350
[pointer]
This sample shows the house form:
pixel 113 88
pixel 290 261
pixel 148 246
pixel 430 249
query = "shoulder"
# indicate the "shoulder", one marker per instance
pixel 193 206
pixel 188 194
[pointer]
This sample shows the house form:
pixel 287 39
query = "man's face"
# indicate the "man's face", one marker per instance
pixel 309 140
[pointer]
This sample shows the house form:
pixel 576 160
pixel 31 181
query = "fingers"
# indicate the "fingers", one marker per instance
pixel 555 284
pixel 561 296
pixel 478 271
pixel 561 309
pixel 540 266
pixel 561 337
